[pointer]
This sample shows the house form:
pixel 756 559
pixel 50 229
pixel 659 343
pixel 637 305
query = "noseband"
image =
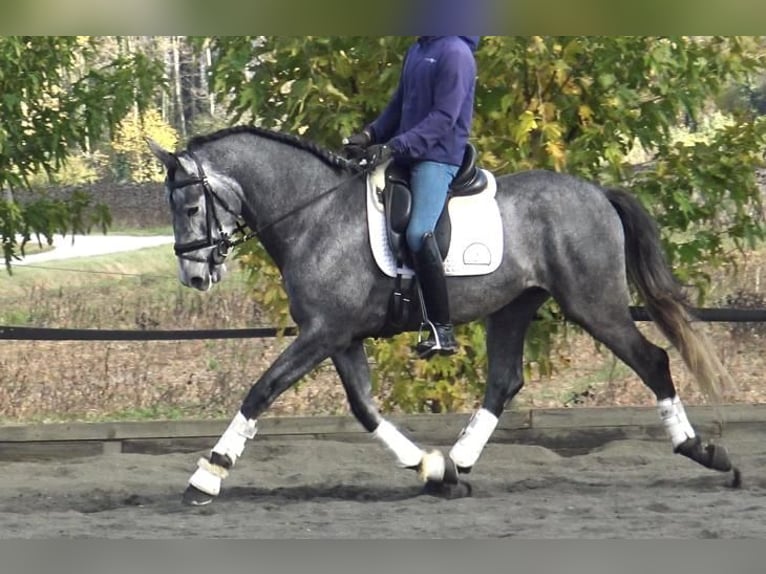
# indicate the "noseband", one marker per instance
pixel 222 243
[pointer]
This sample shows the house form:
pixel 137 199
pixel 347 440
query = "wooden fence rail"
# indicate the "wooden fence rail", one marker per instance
pixel 567 431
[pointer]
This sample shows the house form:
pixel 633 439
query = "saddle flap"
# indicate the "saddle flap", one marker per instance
pixel 397 205
pixel 397 201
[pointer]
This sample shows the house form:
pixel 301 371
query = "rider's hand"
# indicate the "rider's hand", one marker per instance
pixel 378 154
pixel 355 145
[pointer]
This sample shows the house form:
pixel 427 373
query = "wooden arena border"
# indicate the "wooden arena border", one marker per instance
pixel 567 431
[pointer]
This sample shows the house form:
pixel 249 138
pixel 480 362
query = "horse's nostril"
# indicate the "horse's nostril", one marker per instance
pixel 197 282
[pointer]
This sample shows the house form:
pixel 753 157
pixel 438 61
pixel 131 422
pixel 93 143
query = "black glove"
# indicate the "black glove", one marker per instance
pixel 378 154
pixel 354 146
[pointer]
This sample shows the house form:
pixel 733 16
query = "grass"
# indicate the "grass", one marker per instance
pixel 149 274
pixel 33 247
pixel 144 380
pixel 133 380
pixel 150 264
pixel 158 230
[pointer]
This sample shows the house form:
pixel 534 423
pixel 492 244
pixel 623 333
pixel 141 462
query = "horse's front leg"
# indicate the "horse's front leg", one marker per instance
pixel 308 350
pixel 354 371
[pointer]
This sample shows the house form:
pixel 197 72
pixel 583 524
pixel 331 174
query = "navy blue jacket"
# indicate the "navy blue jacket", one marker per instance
pixel 429 116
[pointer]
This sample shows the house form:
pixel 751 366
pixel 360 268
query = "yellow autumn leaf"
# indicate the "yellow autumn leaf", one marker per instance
pixel 585 113
pixel 557 153
pixel 490 160
pixel 549 110
pixel 552 131
pixel 526 124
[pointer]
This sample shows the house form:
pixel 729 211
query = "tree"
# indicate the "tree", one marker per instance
pixel 624 111
pixel 584 104
pixel 315 86
pixel 56 99
pixel 593 106
pixel 133 156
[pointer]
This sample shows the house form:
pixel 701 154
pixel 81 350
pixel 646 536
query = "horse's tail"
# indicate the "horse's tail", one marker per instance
pixel 663 296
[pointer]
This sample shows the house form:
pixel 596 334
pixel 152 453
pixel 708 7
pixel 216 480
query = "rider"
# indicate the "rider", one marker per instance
pixel 426 126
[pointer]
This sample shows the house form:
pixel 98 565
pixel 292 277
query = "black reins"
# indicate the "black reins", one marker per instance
pixel 224 242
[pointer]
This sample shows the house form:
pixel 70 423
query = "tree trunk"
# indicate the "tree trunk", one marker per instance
pixel 179 104
pixel 207 62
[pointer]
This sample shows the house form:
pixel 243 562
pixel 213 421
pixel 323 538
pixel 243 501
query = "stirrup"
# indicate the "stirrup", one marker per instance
pixel 440 340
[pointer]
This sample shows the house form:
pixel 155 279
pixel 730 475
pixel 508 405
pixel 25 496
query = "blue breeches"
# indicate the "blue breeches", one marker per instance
pixel 429 181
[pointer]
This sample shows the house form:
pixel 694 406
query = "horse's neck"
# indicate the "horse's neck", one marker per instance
pixel 275 177
pixel 284 188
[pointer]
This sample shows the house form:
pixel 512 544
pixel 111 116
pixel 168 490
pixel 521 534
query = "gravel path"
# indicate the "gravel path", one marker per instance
pixel 68 247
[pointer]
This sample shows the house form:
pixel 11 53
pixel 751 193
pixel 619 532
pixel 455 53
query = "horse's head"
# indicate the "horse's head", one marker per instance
pixel 205 207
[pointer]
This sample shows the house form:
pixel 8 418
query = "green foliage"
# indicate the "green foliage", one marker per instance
pixel 705 196
pixel 323 88
pixel 54 99
pixel 133 155
pixel 83 168
pixel 441 384
pixel 265 281
pixel 204 124
pixel 587 105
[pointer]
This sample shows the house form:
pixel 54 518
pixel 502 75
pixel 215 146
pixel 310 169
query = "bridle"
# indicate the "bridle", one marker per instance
pixel 224 242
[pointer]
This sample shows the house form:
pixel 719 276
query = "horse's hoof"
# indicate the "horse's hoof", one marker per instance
pixel 719 457
pixel 193 496
pixel 712 456
pixel 448 491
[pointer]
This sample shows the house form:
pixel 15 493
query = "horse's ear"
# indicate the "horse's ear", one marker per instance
pixel 168 158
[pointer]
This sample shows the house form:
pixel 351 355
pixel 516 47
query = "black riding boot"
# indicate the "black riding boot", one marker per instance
pixel 430 273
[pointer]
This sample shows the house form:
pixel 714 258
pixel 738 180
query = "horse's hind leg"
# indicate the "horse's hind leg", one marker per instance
pixel 354 372
pixel 609 321
pixel 506 330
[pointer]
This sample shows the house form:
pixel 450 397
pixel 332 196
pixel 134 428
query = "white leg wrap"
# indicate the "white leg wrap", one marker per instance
pixel 473 438
pixel 407 454
pixel 674 419
pixel 208 477
pixel 232 441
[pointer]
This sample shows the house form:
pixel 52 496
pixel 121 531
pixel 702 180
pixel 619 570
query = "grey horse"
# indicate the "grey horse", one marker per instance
pixel 563 237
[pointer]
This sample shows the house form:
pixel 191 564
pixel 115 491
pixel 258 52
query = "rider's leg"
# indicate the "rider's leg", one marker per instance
pixel 430 183
pixel 430 272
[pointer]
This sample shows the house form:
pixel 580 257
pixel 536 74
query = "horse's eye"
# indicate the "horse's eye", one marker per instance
pixel 192 211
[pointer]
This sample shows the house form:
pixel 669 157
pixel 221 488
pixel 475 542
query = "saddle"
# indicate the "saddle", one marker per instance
pixel 396 198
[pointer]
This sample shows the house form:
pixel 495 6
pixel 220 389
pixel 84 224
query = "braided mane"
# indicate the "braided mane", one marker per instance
pixel 329 157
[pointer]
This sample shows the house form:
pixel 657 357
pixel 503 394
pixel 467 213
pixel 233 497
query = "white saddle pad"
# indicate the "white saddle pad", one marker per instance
pixel 476 245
